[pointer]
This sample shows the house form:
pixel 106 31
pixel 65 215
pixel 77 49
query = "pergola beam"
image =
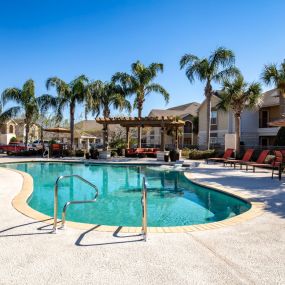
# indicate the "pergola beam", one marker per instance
pixel 129 122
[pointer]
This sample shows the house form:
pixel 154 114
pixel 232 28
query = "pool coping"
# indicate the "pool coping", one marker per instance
pixel 19 202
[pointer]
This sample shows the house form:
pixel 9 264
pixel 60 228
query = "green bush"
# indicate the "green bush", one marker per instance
pixel 68 152
pixel 79 153
pixel 27 153
pixel 13 139
pixel 185 152
pixel 201 154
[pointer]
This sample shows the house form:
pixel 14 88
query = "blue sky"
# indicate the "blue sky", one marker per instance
pixel 63 38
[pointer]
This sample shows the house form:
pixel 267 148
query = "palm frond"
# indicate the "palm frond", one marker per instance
pixel 46 102
pixel 270 74
pixel 11 94
pixel 10 113
pixel 222 57
pixel 157 89
pixel 188 59
pixel 225 74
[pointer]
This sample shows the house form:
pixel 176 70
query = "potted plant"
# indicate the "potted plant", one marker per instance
pixel 174 155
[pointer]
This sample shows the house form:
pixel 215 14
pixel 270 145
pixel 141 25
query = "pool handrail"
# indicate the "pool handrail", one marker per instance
pixel 69 202
pixel 144 209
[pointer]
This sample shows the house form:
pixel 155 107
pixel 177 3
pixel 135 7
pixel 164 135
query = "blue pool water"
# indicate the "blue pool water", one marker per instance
pixel 172 199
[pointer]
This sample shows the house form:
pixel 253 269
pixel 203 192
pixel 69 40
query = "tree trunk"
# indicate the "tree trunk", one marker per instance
pixel 208 128
pixel 27 134
pixel 208 94
pixel 237 132
pixel 106 114
pixel 282 103
pixel 72 110
pixel 139 128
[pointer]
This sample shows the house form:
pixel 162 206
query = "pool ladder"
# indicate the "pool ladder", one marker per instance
pixel 144 209
pixel 69 202
pixel 63 219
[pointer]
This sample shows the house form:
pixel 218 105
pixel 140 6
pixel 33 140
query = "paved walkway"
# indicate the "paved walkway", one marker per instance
pixel 252 252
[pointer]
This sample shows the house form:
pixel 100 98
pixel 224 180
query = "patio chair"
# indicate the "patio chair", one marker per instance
pixel 276 164
pixel 246 158
pixel 228 153
pixel 260 160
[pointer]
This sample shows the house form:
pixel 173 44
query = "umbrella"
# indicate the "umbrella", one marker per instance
pixel 277 123
pixel 57 130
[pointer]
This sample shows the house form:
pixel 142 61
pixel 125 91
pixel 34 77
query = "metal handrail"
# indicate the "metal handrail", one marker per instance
pixel 69 202
pixel 144 209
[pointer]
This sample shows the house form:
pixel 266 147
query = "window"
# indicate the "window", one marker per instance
pixel 188 127
pixel 11 129
pixel 263 119
pixel 214 115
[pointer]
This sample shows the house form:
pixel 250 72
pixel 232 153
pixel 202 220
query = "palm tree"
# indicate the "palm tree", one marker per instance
pixel 105 95
pixel 272 74
pixel 140 83
pixel 26 104
pixel 69 94
pixel 218 66
pixel 236 96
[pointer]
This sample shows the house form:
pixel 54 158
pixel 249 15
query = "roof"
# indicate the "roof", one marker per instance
pixel 270 98
pixel 181 110
pixel 144 121
pixel 91 127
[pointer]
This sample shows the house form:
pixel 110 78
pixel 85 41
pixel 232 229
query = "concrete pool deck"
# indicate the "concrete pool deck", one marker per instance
pixel 251 252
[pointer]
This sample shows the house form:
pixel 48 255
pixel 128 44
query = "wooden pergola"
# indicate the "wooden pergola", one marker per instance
pixel 164 123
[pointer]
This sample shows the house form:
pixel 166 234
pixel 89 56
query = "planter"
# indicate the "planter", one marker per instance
pixel 166 158
pixel 174 155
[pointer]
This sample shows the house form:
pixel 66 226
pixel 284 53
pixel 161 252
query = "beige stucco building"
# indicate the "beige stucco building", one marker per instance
pixel 254 124
pixel 187 135
pixel 16 128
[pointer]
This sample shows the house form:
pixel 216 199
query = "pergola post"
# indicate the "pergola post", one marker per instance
pixel 105 136
pixel 162 138
pixel 176 138
pixel 139 137
pixel 128 136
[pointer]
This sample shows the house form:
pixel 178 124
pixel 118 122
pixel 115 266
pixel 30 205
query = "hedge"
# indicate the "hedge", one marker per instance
pixel 201 154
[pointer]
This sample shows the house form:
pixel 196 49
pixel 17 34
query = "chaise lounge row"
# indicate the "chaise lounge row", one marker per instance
pixel 275 163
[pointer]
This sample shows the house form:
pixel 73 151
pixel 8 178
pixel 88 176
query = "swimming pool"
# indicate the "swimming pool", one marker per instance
pixel 172 199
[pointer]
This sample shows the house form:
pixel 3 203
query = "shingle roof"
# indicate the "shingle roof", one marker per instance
pixel 182 110
pixel 270 98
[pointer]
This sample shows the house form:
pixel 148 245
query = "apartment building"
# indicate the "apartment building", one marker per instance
pixel 187 135
pixel 254 124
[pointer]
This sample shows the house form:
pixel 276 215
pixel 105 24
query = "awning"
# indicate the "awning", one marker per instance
pixel 57 130
pixel 277 123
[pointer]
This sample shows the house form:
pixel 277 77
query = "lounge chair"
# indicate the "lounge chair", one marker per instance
pixel 276 164
pixel 260 160
pixel 246 158
pixel 228 153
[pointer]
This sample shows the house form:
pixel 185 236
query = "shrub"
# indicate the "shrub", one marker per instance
pixel 185 152
pixel 13 139
pixel 201 154
pixel 27 153
pixel 79 153
pixel 68 152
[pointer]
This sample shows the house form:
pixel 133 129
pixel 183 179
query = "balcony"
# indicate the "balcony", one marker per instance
pixel 272 131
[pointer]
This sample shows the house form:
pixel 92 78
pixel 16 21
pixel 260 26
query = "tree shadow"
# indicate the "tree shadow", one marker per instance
pixel 115 234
